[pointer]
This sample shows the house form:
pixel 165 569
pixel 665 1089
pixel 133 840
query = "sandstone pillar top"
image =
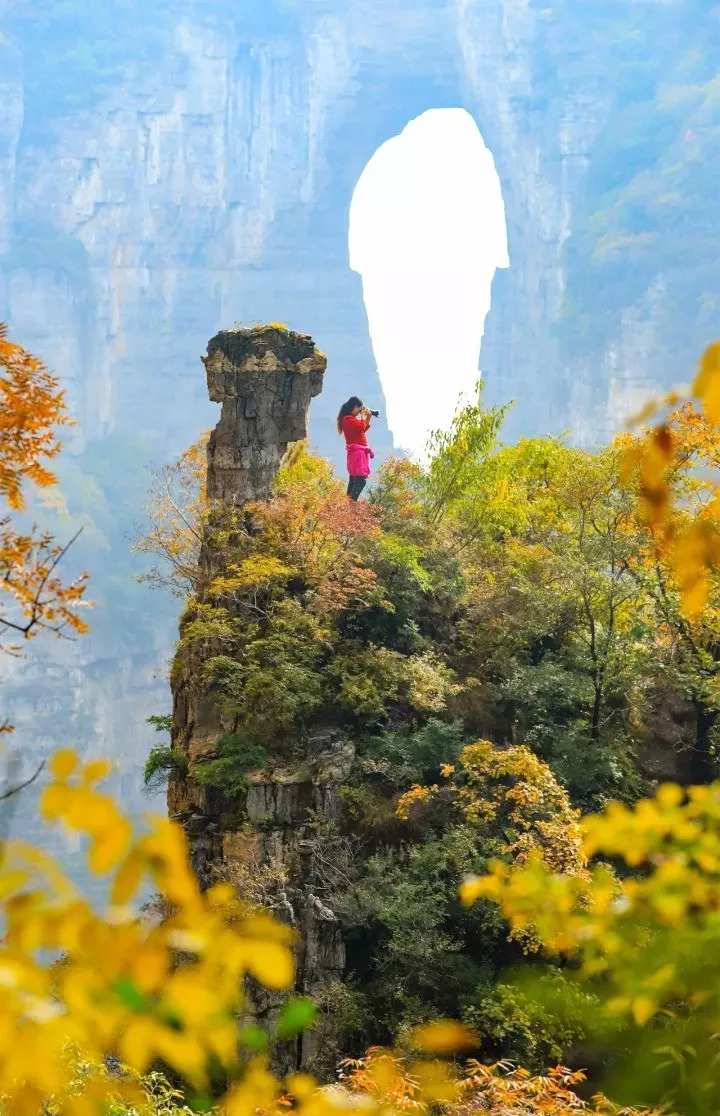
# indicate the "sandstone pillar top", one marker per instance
pixel 265 378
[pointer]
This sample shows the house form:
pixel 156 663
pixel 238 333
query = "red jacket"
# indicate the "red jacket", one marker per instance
pixel 354 430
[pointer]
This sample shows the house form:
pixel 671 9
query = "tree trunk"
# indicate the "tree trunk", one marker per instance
pixel 595 722
pixel 702 766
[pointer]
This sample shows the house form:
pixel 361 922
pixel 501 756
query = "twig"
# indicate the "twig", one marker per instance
pixel 21 786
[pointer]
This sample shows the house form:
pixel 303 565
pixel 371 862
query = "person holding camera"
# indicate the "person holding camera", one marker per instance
pixel 353 422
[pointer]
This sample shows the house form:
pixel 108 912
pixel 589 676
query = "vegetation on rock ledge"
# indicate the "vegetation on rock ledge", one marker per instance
pixel 513 594
pixel 592 576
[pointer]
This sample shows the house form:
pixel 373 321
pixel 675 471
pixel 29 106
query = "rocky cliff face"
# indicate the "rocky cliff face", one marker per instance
pixel 273 857
pixel 165 167
pixel 213 179
pixel 265 380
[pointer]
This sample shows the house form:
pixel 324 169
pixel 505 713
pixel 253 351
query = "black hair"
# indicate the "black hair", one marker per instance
pixel 347 409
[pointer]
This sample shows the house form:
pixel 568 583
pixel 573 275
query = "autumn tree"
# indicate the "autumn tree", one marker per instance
pixel 549 623
pixel 458 458
pixel 510 794
pixel 32 406
pixel 682 600
pixel 177 513
pixel 33 596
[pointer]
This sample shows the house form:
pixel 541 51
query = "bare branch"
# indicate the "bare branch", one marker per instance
pixel 21 786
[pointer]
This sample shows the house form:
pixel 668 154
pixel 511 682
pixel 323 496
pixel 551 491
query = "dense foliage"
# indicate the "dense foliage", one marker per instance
pixel 646 946
pixel 406 624
pixel 505 640
pixel 100 1010
pixel 511 592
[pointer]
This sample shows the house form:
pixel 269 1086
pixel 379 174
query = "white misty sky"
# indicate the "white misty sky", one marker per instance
pixel 427 232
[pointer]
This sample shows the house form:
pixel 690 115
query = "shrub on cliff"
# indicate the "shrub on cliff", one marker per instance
pixel 511 593
pixel 419 954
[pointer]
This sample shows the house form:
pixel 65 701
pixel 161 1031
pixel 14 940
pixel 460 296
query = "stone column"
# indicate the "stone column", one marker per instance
pixel 264 378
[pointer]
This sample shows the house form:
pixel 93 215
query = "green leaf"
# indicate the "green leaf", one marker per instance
pixel 132 996
pixel 201 1102
pixel 298 1013
pixel 254 1038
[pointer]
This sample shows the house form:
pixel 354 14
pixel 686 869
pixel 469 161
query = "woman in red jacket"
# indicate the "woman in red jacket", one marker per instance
pixel 354 422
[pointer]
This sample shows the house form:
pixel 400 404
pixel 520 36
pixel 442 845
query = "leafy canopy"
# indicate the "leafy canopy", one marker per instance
pixel 33 596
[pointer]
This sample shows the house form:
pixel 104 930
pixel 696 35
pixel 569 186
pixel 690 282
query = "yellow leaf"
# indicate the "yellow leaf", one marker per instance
pixel 669 795
pixel 255 1093
pixel 182 1051
pixel 220 895
pixel 109 847
pixel 472 889
pixel 127 880
pixel 149 968
pixel 694 596
pixel 63 763
pixel 301 1085
pixel 96 770
pixel 137 1044
pixel 643 1009
pixel 707 382
pixel 191 998
pixel 435 1082
pixel 444 1037
pixel 222 1041
pixel 641 416
pixel 271 964
pixel 54 801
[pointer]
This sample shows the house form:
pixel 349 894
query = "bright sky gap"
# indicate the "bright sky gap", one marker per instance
pixel 427 233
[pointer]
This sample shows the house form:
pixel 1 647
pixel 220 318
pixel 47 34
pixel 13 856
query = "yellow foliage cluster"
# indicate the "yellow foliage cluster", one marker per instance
pixel 473 1088
pixel 689 544
pixel 417 794
pixel 172 992
pixel 124 987
pixel 80 986
pixel 32 406
pixel 312 531
pixel 510 789
pixel 650 941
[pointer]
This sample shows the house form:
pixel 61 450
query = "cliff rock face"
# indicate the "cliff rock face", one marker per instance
pixel 271 856
pixel 168 165
pixel 265 380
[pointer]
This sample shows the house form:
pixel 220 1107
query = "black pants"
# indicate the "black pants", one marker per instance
pixel 355 486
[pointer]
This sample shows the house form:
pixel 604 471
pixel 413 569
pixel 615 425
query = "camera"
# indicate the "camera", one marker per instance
pixel 375 414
